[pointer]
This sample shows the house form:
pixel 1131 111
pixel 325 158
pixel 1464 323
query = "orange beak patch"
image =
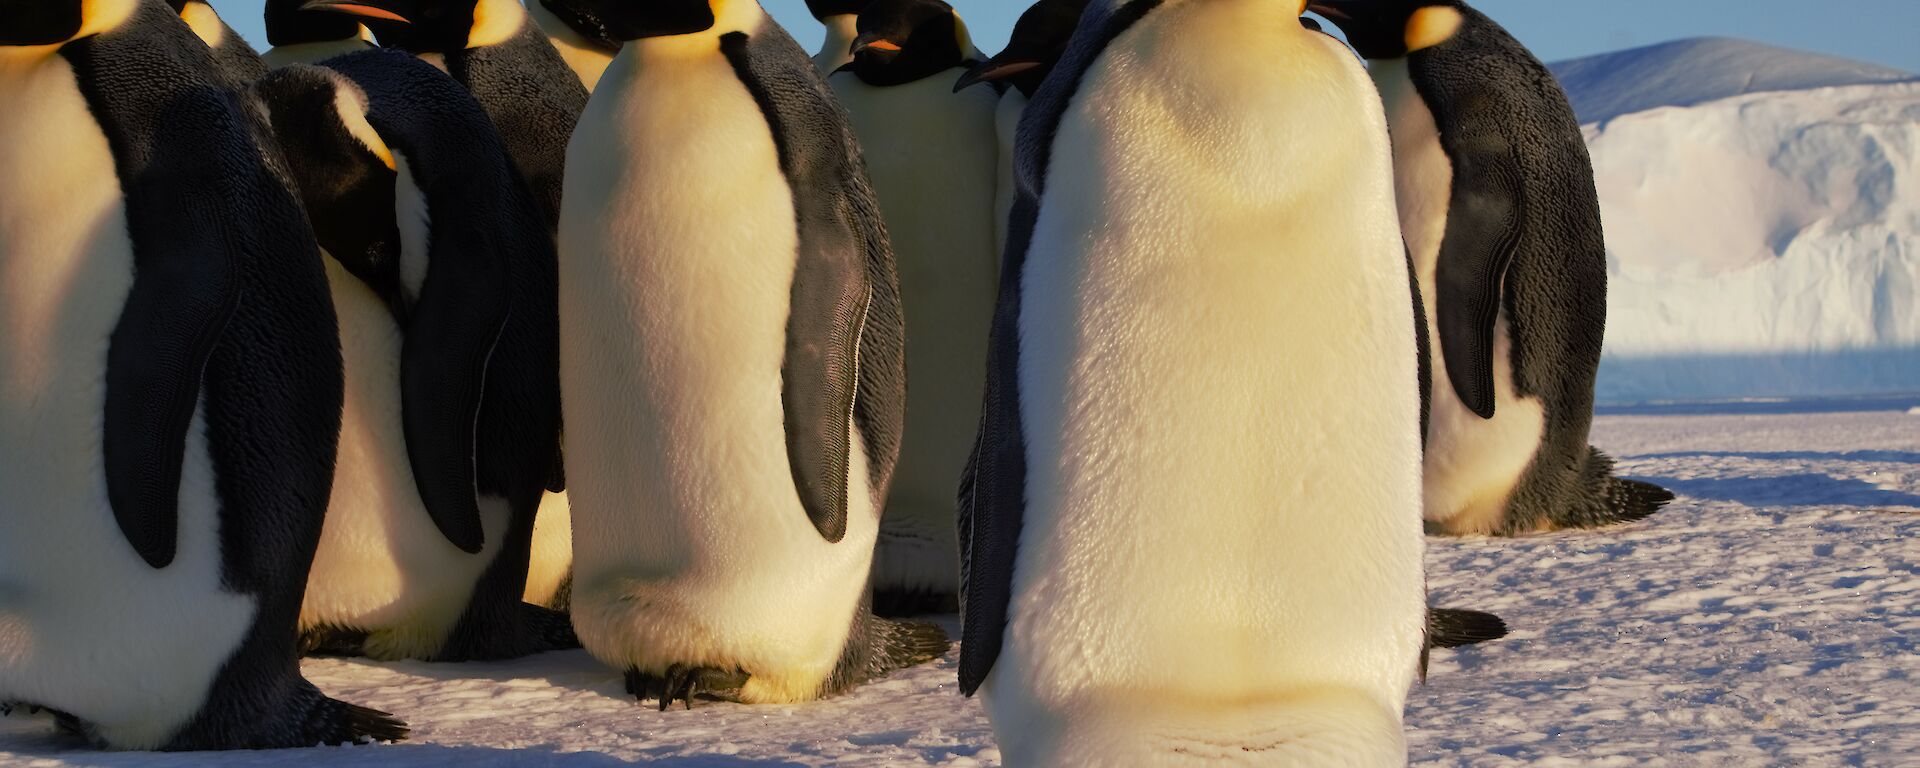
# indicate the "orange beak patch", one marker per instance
pixel 884 45
pixel 355 9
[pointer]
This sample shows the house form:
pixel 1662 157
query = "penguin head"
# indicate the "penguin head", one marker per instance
pixel 621 21
pixel 288 24
pixel 345 173
pixel 902 41
pixel 1039 39
pixel 1392 29
pixel 432 26
pixel 584 23
pixel 53 22
pixel 824 9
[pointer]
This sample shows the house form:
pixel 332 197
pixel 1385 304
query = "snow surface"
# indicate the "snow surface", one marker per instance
pixel 1770 616
pixel 1762 212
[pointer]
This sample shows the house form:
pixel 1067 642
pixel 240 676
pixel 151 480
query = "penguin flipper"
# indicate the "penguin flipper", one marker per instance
pixel 1484 225
pixel 186 288
pixel 838 296
pixel 464 303
pixel 461 311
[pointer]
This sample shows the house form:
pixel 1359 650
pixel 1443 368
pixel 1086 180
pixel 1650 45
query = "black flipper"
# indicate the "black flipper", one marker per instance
pixel 1484 226
pixel 452 327
pixel 1452 627
pixel 993 488
pixel 843 274
pixel 185 289
pixel 443 367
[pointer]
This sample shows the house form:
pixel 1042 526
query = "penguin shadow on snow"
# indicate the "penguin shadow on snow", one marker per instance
pixel 1804 489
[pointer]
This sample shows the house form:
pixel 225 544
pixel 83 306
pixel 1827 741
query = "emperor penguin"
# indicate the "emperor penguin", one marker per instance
pixel 933 159
pixel 731 360
pixel 505 60
pixel 1496 198
pixel 237 59
pixel 1192 518
pixel 443 280
pixel 308 37
pixel 533 98
pixel 581 40
pixel 840 17
pixel 1039 38
pixel 170 393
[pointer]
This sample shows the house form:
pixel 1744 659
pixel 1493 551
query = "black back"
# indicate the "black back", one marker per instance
pixel 846 331
pixel 993 489
pixel 1523 234
pixel 534 100
pixel 229 307
pixel 237 59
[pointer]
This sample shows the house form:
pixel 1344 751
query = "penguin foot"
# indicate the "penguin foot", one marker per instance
pixel 508 632
pixel 333 641
pixel 681 682
pixel 900 602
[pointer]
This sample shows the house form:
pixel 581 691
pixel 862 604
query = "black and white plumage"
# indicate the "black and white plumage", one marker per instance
pixel 230 51
pixel 732 363
pixel 451 432
pixel 185 393
pixel 1497 200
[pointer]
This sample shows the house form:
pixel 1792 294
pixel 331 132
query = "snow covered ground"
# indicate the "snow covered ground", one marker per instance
pixel 1771 616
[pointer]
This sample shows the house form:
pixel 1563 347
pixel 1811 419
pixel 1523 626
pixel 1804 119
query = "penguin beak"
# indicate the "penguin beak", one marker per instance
pixel 993 71
pixel 367 9
pixel 873 41
pixel 1337 11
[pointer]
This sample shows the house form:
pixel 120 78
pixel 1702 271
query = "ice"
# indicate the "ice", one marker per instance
pixel 1702 69
pixel 1762 212
pixel 1770 616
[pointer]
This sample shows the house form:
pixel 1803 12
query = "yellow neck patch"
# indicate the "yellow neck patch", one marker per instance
pixel 205 23
pixel 1431 26
pixel 495 22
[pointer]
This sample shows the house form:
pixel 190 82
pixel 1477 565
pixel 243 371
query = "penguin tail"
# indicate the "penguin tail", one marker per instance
pixel 900 644
pixel 1454 627
pixel 553 628
pixel 1609 500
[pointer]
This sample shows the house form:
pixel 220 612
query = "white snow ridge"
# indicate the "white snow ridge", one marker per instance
pixel 1762 210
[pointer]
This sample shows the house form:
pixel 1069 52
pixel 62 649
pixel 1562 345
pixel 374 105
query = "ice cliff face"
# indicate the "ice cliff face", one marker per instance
pixel 1762 212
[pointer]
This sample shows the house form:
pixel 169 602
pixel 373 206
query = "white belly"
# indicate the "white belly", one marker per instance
pixel 383 566
pixel 933 158
pixel 550 559
pixel 1221 549
pixel 1472 464
pixel 837 49
pixel 85 625
pixel 690 541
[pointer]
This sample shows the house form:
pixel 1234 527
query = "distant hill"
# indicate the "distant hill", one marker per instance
pixel 1762 210
pixel 1698 70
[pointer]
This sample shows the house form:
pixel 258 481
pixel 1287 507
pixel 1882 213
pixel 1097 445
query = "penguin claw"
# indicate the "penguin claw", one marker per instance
pixel 681 682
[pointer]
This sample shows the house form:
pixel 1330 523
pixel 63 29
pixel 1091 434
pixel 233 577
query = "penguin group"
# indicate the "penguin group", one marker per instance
pixel 456 330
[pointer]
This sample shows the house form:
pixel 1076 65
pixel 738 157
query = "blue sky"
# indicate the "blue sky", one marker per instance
pixel 1878 31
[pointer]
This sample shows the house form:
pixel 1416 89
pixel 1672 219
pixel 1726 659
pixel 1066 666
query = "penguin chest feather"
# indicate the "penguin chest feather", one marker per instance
pixel 677 261
pixel 1472 464
pixel 1218 395
pixel 76 602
